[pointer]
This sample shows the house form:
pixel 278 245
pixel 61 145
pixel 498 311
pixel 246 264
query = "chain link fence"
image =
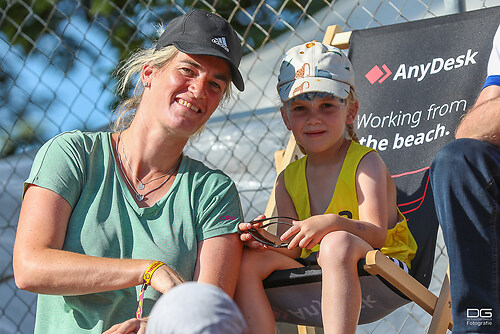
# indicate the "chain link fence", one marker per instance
pixel 57 59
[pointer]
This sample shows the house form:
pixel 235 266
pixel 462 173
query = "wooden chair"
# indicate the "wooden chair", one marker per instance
pixel 375 264
pixel 407 136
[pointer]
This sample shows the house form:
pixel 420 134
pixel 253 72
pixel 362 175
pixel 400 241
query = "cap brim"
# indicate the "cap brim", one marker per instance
pixel 200 49
pixel 313 84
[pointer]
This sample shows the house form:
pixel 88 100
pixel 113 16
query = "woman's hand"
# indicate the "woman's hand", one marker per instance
pixel 131 326
pixel 165 278
pixel 247 239
pixel 310 231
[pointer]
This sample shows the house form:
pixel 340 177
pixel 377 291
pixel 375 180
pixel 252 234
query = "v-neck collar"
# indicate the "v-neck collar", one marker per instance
pixel 342 171
pixel 129 196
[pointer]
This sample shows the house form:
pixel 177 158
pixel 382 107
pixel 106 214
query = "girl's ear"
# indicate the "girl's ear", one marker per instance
pixel 284 115
pixel 352 112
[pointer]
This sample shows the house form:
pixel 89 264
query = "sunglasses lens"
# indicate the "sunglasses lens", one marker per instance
pixel 260 238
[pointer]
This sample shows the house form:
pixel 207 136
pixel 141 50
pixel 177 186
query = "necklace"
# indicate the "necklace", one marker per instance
pixel 138 196
pixel 141 185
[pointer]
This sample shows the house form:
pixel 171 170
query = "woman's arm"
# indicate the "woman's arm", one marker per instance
pixel 41 266
pixel 218 261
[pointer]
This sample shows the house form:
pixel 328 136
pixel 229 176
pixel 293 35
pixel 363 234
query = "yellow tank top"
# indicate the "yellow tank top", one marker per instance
pixel 399 243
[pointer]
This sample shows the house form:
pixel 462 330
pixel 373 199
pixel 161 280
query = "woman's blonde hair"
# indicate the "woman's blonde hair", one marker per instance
pixel 129 73
pixel 350 99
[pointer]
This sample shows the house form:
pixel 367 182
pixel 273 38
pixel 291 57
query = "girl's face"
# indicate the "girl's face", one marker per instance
pixel 318 120
pixel 184 94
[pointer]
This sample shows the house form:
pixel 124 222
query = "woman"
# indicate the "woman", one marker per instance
pixel 100 210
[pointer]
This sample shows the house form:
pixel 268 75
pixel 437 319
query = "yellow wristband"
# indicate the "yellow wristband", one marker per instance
pixel 151 269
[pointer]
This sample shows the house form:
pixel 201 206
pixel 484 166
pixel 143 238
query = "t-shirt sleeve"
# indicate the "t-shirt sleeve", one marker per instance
pixel 494 62
pixel 219 210
pixel 59 166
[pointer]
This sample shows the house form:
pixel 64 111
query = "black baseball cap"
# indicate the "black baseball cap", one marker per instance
pixel 202 33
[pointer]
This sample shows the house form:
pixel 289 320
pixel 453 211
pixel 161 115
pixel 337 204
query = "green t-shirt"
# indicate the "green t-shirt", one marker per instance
pixel 107 222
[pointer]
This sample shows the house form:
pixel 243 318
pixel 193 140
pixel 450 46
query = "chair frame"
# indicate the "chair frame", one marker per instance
pixel 376 262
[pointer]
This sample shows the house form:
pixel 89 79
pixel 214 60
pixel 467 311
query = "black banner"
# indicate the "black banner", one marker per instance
pixel 414 81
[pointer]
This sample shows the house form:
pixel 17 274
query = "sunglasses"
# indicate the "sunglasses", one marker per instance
pixel 260 238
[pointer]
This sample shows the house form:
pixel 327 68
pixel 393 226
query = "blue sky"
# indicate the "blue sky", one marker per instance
pixel 85 90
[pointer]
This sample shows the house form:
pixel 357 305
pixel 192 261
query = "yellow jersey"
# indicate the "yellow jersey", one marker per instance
pixel 399 243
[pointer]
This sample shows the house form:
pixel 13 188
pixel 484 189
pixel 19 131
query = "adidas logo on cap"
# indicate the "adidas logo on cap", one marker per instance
pixel 221 41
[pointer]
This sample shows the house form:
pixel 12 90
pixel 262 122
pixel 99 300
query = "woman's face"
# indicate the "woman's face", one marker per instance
pixel 184 94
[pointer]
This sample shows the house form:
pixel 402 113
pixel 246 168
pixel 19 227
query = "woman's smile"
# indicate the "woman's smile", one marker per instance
pixel 188 105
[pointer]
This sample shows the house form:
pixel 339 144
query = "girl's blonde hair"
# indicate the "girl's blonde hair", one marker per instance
pixel 129 73
pixel 350 99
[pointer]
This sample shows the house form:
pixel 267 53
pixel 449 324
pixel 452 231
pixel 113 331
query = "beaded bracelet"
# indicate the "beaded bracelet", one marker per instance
pixel 146 281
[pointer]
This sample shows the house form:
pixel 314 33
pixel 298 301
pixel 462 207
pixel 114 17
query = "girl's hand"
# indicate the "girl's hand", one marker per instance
pixel 131 326
pixel 309 232
pixel 247 239
pixel 165 278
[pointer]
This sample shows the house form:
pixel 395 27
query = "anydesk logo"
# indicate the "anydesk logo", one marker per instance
pixel 420 71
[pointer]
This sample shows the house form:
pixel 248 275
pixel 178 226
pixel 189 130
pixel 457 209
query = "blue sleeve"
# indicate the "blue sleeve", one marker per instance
pixel 492 80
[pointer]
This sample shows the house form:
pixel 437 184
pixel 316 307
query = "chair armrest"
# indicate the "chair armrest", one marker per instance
pixel 442 317
pixel 378 264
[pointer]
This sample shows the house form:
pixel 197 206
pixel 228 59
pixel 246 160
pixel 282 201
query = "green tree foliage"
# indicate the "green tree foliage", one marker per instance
pixel 38 28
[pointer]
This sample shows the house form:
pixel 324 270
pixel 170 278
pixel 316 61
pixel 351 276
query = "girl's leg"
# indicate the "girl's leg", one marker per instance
pixel 250 296
pixel 341 291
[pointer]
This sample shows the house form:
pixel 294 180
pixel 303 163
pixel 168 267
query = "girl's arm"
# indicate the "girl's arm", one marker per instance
pixel 41 266
pixel 372 185
pixel 218 261
pixel 376 198
pixel 286 208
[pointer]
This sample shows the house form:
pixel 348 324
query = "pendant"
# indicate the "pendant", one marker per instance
pixel 141 186
pixel 139 197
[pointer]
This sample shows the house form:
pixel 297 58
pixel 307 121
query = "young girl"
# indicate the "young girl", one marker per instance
pixel 340 191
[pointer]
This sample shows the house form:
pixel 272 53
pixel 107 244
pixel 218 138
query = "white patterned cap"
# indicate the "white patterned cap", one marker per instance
pixel 315 67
